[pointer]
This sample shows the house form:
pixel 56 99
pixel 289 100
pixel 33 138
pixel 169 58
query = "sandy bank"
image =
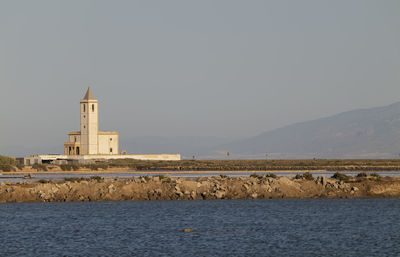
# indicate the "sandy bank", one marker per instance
pixel 203 188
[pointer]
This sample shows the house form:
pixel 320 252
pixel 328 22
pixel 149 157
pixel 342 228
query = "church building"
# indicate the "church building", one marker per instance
pixel 91 145
pixel 89 140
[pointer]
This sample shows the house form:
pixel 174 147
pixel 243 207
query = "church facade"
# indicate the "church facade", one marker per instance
pixel 89 140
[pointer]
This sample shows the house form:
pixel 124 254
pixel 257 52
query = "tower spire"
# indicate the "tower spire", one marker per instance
pixel 89 95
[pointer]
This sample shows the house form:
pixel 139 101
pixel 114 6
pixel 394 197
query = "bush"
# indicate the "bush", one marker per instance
pixel 97 178
pixel 270 175
pixel 254 175
pixel 98 166
pixel 69 167
pixel 376 175
pixel 43 181
pixel 20 166
pixel 6 167
pixel 75 179
pixel 4 160
pixel 341 176
pixel 308 176
pixel 39 167
pixel 362 175
pixel 161 177
pixel 167 180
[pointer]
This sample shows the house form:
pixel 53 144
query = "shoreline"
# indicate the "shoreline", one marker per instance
pixel 203 188
pixel 155 172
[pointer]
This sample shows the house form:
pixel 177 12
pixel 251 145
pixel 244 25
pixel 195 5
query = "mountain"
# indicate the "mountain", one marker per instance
pixel 364 133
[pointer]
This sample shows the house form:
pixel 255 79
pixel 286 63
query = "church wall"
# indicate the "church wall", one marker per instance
pixel 74 138
pixel 107 142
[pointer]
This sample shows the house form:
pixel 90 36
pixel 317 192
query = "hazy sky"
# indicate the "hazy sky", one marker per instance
pixel 191 68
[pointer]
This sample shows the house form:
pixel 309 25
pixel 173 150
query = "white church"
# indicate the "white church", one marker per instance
pixel 89 144
pixel 89 140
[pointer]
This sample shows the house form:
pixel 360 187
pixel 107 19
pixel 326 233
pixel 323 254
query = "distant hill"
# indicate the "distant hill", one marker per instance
pixel 364 133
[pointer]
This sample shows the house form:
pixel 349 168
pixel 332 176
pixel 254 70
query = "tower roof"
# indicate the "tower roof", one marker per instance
pixel 89 95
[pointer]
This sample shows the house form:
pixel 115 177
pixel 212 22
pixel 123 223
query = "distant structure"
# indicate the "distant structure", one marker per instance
pixel 89 140
pixel 89 144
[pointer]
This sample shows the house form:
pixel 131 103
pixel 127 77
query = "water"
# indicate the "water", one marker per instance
pixel 107 174
pixel 313 227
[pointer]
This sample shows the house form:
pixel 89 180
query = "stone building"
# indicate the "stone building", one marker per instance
pixel 91 145
pixel 89 140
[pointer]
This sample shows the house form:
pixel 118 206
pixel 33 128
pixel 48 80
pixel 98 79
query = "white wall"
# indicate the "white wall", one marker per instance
pixel 108 141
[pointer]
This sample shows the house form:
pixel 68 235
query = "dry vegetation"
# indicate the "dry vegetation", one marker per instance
pixel 237 165
pixel 8 164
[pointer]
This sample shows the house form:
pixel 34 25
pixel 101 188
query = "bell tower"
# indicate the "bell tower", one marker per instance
pixel 89 124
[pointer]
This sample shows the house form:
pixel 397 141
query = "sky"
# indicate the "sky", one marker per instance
pixel 229 69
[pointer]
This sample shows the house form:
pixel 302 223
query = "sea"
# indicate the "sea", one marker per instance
pixel 285 227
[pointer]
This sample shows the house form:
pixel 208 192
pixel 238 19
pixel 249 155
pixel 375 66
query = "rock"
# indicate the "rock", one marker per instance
pixel 321 180
pixel 219 194
pixel 156 179
pixel 186 193
pixel 254 195
pixel 193 195
pixel 111 189
pixel 355 189
pixel 188 230
pixel 285 181
pixel 245 187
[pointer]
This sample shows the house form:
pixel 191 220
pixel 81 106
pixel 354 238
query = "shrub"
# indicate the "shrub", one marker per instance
pixel 6 167
pixel 20 166
pixel 65 167
pixel 341 176
pixel 69 167
pixel 298 176
pixel 167 180
pixel 362 175
pixel 43 181
pixel 254 175
pixel 39 167
pixel 97 178
pixel 97 166
pixel 75 179
pixel 376 175
pixel 4 160
pixel 308 176
pixel 270 175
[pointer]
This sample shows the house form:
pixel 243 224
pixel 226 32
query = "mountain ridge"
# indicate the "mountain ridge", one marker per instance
pixel 361 133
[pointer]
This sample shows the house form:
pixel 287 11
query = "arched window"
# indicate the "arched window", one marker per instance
pixel 110 150
pixel 92 107
pixel 84 108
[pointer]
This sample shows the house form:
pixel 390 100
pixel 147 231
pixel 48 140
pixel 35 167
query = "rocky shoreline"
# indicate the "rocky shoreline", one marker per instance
pixel 202 188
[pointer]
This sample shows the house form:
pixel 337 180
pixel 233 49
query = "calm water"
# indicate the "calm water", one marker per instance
pixel 340 227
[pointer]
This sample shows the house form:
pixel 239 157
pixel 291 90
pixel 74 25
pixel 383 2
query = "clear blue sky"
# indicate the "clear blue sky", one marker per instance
pixel 192 68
